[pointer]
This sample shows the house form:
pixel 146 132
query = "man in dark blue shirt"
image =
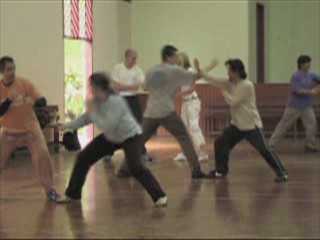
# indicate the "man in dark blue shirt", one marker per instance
pixel 304 86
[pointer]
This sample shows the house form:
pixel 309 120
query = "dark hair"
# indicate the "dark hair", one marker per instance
pixel 168 51
pixel 236 65
pixel 3 61
pixel 101 80
pixel 302 60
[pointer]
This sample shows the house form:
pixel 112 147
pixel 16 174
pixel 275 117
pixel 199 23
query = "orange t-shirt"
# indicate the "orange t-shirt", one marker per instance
pixel 20 117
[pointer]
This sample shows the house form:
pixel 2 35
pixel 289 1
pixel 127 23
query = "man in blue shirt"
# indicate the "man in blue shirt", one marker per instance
pixel 304 85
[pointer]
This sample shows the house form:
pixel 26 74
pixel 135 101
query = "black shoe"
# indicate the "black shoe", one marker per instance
pixel 216 174
pixel 123 173
pixel 282 178
pixel 146 158
pixel 311 150
pixel 149 158
pixel 198 174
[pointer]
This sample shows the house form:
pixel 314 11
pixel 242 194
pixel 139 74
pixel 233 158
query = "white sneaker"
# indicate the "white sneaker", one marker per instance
pixel 180 157
pixel 161 202
pixel 203 156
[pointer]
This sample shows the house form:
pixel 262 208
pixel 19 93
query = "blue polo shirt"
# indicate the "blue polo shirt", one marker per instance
pixel 302 81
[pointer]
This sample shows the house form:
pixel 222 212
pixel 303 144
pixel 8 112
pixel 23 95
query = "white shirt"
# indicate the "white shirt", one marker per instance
pixel 241 98
pixel 125 76
pixel 187 88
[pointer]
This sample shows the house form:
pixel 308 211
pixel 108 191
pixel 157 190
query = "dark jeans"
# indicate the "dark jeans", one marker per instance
pixel 100 147
pixel 135 108
pixel 231 136
pixel 174 125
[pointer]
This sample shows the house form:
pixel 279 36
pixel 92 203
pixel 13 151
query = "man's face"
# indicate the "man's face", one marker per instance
pixel 97 93
pixel 231 74
pixel 306 67
pixel 132 59
pixel 174 60
pixel 9 73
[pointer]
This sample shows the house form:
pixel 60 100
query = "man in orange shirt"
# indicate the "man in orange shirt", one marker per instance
pixel 19 124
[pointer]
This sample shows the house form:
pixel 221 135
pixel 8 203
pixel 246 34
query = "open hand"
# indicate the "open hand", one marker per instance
pixel 197 65
pixel 316 90
pixel 214 63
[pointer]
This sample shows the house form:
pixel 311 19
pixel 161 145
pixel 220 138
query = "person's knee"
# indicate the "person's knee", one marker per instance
pixel 219 143
pixel 194 127
pixel 265 151
pixel 82 160
pixel 135 168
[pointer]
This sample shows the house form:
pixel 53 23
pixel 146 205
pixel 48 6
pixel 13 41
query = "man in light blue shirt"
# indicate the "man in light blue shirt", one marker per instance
pixel 304 86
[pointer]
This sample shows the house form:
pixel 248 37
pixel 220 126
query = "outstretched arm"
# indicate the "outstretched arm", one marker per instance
pixel 218 82
pixel 79 122
pixel 299 89
pixel 123 87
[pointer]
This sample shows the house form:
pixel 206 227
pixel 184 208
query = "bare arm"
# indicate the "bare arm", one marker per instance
pixel 123 87
pixel 218 82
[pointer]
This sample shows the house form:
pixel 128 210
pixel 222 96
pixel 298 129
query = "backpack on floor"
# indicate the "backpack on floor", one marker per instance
pixel 71 141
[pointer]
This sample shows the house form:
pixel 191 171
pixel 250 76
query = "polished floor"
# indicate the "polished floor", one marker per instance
pixel 248 204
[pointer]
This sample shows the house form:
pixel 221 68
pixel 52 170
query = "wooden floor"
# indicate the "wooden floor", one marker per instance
pixel 248 204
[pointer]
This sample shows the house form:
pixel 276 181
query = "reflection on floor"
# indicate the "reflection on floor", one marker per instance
pixel 248 204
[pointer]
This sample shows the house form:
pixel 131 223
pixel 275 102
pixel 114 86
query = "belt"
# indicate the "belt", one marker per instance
pixel 190 99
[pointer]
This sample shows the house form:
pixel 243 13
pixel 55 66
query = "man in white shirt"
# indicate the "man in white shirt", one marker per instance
pixel 127 79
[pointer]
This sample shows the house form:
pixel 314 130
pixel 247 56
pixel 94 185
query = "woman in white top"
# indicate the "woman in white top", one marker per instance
pixel 190 113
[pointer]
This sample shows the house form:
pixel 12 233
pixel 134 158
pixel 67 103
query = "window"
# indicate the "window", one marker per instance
pixel 78 38
pixel 78 19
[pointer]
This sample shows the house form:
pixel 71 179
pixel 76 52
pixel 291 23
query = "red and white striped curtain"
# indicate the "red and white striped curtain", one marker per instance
pixel 78 19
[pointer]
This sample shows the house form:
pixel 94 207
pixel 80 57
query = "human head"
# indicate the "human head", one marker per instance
pixel 7 69
pixel 304 63
pixel 183 60
pixel 169 54
pixel 100 84
pixel 236 69
pixel 131 57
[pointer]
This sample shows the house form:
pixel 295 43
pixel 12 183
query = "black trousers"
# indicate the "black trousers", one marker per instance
pixel 135 107
pixel 174 125
pixel 231 136
pixel 100 147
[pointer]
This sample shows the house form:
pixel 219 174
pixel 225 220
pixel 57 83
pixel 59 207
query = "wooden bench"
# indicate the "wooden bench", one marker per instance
pixel 271 103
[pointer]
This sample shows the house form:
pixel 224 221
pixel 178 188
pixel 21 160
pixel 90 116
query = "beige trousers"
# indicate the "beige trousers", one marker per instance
pixel 37 146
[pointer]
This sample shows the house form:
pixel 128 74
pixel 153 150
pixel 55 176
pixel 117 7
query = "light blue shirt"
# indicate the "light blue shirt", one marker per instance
pixel 113 117
pixel 302 81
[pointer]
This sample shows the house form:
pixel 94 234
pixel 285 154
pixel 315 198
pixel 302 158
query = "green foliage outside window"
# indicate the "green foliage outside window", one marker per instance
pixel 74 97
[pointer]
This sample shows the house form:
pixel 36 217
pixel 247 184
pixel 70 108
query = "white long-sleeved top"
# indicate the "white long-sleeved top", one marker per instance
pixel 241 98
pixel 113 117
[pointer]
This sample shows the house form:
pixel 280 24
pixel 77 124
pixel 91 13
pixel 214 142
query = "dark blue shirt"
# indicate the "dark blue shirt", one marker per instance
pixel 302 81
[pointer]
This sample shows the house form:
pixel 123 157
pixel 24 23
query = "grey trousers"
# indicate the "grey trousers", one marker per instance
pixel 174 125
pixel 290 116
